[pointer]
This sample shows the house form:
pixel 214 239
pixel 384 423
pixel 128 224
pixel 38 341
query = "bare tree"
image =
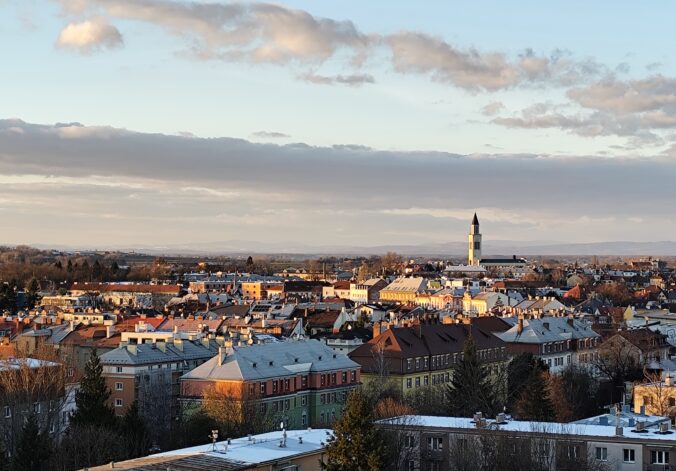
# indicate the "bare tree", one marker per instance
pixel 34 386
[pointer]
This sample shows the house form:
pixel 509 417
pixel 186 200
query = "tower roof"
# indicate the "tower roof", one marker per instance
pixel 475 221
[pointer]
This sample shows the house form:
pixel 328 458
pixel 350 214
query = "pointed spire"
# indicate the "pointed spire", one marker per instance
pixel 475 221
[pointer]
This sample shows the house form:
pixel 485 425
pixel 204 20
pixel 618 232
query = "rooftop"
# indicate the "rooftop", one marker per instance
pixel 239 454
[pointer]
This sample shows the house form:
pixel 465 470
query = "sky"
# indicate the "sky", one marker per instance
pixel 341 123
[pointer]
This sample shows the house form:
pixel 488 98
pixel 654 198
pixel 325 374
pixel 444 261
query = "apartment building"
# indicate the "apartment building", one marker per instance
pixel 558 341
pixel 440 443
pixel 425 354
pixel 303 382
pixel 146 367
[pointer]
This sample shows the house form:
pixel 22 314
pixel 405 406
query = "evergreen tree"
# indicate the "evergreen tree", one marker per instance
pixel 356 445
pixel 69 266
pixel 97 271
pixel 519 372
pixel 33 449
pixel 91 398
pixel 133 430
pixel 32 289
pixel 470 389
pixel 535 402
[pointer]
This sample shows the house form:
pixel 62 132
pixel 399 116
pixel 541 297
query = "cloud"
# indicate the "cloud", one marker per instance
pixel 270 135
pixel 414 52
pixel 306 193
pixel 89 36
pixel 252 32
pixel 257 33
pixel 492 108
pixel 354 80
pixel 641 110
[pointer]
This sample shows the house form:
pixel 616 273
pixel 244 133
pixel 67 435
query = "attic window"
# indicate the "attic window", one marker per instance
pixel 334 355
pixel 254 365
pixel 270 363
pixel 295 360
pixel 320 357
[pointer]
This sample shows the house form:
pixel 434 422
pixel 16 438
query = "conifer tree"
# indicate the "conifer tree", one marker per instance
pixel 91 398
pixel 33 449
pixel 356 445
pixel 133 430
pixel 535 402
pixel 470 389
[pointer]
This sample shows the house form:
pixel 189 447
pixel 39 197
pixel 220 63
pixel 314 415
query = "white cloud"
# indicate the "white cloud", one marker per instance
pixel 89 36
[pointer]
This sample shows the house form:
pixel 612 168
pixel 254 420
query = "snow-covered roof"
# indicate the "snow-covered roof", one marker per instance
pixel 240 453
pixel 525 426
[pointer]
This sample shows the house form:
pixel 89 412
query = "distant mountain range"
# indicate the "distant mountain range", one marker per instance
pixel 451 249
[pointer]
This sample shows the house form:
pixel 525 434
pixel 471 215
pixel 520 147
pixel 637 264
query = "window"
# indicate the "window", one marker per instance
pixel 36 407
pixel 323 380
pixel 435 466
pixel 409 364
pixel 322 399
pixel 353 376
pixel 601 453
pixel 119 386
pixel 409 383
pixel 343 377
pixel 659 457
pixel 410 441
pixel 426 380
pixel 118 402
pixel 629 455
pixel 417 363
pixel 435 443
pixel 410 465
pixel 70 372
pixel 303 420
pixel 303 381
pixel 417 382
pixel 8 412
pixel 118 369
pixel 303 401
pixel 672 402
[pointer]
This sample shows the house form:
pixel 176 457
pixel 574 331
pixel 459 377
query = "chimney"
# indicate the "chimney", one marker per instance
pixel 667 380
pixel 110 330
pixel 178 343
pixel 545 325
pixel 376 329
pixel 519 326
pixel 132 348
pixel 162 346
pixel 221 355
pixel 71 326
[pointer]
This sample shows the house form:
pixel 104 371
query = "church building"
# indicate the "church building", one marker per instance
pixel 474 257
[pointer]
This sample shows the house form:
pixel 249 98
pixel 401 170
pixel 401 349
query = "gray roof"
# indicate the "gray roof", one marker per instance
pixel 148 354
pixel 272 360
pixel 548 329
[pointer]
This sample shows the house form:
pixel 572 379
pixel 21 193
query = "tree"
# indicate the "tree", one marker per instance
pixel 134 431
pixel 578 390
pixel 535 402
pixel 91 398
pixel 519 373
pixel 356 445
pixel 470 389
pixel 34 448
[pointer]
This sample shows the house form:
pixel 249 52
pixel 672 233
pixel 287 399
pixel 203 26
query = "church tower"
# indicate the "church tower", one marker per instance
pixel 474 253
